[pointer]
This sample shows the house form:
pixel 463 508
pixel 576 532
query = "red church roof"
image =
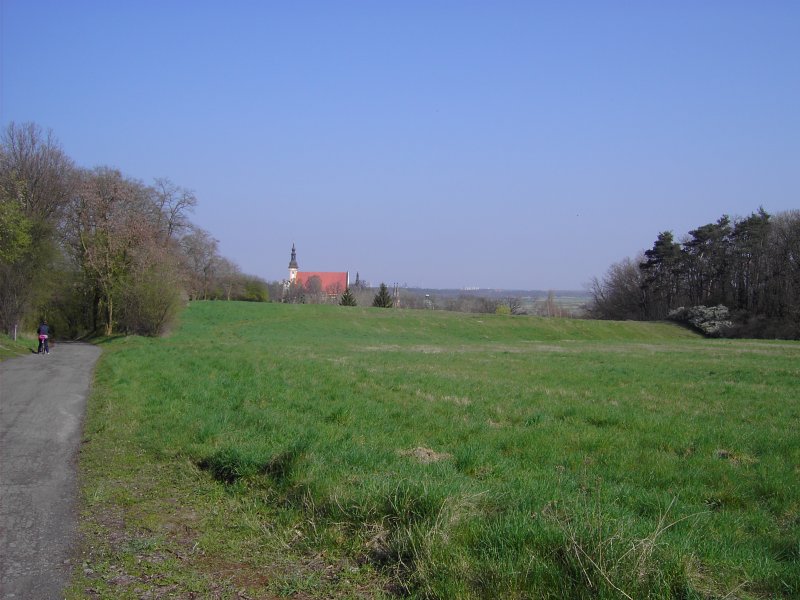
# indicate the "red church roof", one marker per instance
pixel 331 282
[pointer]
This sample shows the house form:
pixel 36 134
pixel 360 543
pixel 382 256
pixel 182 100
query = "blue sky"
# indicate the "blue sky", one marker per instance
pixel 439 144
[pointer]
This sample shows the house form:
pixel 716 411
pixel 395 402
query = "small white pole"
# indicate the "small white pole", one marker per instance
pixel 15 332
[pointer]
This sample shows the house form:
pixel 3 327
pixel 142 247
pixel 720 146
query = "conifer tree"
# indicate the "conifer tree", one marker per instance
pixel 383 299
pixel 347 298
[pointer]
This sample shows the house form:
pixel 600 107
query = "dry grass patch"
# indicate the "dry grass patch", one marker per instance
pixel 425 455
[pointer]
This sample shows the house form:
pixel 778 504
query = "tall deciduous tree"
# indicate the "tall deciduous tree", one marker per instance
pixel 110 217
pixel 200 252
pixel 15 230
pixel 36 179
pixel 102 250
pixel 36 171
pixel 174 204
pixel 227 279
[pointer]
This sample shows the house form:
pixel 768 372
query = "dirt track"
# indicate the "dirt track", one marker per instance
pixel 42 403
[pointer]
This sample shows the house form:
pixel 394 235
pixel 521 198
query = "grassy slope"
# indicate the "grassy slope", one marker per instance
pixel 278 449
pixel 10 349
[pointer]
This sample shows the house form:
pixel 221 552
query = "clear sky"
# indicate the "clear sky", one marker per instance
pixel 440 144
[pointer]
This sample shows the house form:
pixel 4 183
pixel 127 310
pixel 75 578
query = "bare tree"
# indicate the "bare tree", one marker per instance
pixel 619 294
pixel 174 204
pixel 228 278
pixel 36 171
pixel 293 293
pixel 200 253
pixel 515 305
pixel 312 290
pixel 550 306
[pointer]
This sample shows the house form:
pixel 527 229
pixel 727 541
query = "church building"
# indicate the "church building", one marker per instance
pixel 332 283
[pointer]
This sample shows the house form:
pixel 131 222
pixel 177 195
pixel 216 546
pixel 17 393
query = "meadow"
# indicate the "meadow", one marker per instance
pixel 270 450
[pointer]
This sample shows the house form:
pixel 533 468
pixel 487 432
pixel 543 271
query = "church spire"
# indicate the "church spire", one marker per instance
pixel 293 267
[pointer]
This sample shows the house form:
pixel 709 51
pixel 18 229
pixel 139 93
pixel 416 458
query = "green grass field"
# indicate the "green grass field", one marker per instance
pixel 268 450
pixel 22 346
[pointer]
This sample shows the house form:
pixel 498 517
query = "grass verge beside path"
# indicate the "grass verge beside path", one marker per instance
pixel 11 349
pixel 269 451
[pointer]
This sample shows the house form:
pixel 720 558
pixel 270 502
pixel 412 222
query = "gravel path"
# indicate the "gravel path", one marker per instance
pixel 42 403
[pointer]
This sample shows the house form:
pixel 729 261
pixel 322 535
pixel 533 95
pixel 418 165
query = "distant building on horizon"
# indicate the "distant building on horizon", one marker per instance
pixel 331 283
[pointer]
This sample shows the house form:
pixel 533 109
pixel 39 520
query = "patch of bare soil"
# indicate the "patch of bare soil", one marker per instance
pixel 735 459
pixel 425 455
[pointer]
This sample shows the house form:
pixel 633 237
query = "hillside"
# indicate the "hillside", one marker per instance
pixel 320 451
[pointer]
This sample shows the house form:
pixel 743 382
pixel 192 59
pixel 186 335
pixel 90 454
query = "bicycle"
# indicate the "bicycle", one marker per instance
pixel 44 347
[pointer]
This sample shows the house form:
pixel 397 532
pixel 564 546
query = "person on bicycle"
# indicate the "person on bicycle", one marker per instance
pixel 43 332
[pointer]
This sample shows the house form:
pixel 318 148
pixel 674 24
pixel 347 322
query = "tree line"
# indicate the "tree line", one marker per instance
pixel 749 265
pixel 401 297
pixel 94 251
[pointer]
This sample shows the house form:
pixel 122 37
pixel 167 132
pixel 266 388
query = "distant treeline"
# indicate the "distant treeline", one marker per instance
pixel 749 265
pixel 484 301
pixel 94 251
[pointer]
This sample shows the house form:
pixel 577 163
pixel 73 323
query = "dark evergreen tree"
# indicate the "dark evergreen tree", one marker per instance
pixel 707 264
pixel 661 275
pixel 348 299
pixel 750 274
pixel 383 299
pixel 749 266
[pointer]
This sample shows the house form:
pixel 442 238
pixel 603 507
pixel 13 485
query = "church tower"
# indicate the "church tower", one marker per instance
pixel 293 267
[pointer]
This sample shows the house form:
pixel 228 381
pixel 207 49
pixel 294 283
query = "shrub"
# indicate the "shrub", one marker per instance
pixel 713 321
pixel 148 304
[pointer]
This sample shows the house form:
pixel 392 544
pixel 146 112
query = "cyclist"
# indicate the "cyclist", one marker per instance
pixel 43 332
